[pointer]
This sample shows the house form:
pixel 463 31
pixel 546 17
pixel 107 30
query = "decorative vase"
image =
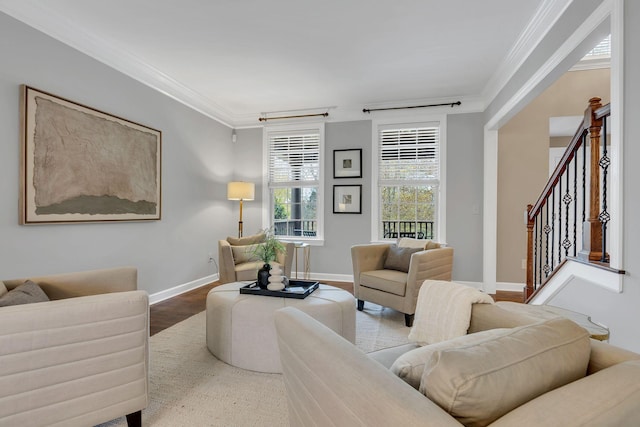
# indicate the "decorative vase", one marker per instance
pixel 263 276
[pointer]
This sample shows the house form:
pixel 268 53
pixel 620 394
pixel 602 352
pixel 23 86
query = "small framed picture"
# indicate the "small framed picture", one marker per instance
pixel 347 199
pixel 347 163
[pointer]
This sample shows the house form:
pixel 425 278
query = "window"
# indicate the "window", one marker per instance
pixel 294 181
pixel 408 201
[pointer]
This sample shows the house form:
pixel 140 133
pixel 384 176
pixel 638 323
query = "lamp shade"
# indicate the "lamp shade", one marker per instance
pixel 241 190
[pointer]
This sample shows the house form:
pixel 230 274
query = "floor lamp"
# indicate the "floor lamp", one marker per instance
pixel 240 190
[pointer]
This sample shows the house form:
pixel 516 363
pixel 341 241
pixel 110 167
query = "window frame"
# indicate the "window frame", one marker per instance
pixel 268 203
pixel 409 121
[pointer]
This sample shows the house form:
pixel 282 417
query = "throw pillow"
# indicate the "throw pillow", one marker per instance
pixel 410 365
pixel 3 289
pixel 26 293
pixel 399 258
pixel 248 240
pixel 246 253
pixel 431 245
pixel 479 383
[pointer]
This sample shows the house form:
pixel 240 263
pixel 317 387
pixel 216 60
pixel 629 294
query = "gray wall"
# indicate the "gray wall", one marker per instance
pixel 464 192
pixel 196 164
pixel 465 151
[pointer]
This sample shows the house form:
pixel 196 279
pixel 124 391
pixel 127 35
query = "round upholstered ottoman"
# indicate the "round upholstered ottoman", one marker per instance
pixel 240 328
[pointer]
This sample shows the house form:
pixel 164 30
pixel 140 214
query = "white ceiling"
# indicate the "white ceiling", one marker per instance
pixel 235 60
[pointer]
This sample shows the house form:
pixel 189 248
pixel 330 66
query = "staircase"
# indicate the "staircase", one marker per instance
pixel 567 226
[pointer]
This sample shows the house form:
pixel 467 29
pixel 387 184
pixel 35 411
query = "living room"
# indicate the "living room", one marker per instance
pixel 199 158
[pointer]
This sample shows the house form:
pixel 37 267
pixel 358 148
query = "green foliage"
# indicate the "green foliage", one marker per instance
pixel 268 250
pixel 279 210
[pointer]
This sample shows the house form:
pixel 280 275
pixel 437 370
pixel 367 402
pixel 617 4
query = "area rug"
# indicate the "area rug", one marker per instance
pixel 188 386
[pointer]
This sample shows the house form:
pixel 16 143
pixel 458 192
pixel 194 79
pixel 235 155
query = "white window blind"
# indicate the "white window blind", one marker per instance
pixel 409 154
pixel 294 157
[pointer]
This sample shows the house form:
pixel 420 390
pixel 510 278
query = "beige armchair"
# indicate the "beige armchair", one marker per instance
pixel 237 262
pixel 394 288
pixel 81 358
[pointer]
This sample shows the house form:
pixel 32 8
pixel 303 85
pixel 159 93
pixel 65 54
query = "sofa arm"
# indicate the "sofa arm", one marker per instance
pixel 77 361
pixel 330 382
pixel 227 265
pixel 432 264
pixel 367 258
pixel 83 283
pixel 610 397
pixel 604 355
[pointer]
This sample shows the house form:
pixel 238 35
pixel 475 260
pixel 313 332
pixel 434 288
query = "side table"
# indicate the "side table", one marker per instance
pixel 306 253
pixel 596 330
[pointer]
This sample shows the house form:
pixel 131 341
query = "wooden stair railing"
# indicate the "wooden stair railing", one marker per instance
pixel 559 225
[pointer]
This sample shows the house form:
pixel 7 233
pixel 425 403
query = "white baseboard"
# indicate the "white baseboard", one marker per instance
pixel 511 287
pixel 180 289
pixel 329 277
pixel 186 287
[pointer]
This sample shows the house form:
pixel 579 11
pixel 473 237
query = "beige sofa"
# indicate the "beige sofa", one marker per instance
pixel 80 359
pixel 393 288
pixel 330 382
pixel 237 262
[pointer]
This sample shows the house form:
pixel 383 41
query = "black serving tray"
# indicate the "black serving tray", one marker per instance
pixel 298 289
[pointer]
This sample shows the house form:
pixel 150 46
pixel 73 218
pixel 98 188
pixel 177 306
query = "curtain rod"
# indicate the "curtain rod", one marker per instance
pixel 452 104
pixel 264 119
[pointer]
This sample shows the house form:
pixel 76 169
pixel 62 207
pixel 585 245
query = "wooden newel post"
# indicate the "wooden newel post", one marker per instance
pixel 530 223
pixel 592 227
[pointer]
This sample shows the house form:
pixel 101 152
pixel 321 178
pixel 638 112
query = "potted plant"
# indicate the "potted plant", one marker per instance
pixel 267 252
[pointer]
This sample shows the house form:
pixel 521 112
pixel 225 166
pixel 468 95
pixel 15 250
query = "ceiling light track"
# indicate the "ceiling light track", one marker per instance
pixel 452 104
pixel 299 116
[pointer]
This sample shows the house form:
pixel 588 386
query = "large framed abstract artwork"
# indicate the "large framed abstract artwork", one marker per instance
pixel 83 165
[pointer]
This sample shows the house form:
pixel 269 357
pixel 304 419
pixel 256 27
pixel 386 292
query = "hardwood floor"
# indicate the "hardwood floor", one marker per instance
pixel 174 310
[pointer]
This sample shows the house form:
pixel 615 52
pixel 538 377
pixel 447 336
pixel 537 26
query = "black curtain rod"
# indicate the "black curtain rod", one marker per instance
pixel 264 119
pixel 452 104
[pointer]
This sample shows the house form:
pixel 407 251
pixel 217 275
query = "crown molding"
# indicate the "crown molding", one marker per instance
pixel 62 29
pixel 598 16
pixel 545 17
pixel 59 27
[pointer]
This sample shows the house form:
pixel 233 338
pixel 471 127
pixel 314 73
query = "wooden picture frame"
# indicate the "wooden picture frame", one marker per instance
pixel 80 164
pixel 347 199
pixel 347 163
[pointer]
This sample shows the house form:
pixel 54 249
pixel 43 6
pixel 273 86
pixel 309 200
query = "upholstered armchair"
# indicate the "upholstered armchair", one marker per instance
pixel 391 275
pixel 79 359
pixel 238 261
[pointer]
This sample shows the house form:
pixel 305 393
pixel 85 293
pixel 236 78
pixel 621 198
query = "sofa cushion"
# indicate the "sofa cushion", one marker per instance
pixel 407 242
pixel 399 258
pixel 3 289
pixel 247 240
pixel 245 253
pixel 390 281
pixel 26 293
pixel 410 365
pixel 479 383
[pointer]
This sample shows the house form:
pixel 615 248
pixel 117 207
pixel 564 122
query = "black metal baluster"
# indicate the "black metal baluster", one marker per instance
pixel 575 202
pixel 584 177
pixel 547 230
pixel 560 220
pixel 604 215
pixel 553 223
pixel 566 243
pixel 535 252
pixel 540 243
